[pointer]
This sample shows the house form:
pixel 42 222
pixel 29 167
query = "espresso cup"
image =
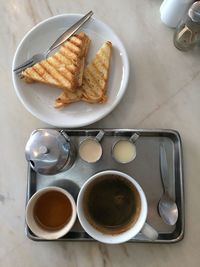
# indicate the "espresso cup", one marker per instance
pixel 112 208
pixel 51 213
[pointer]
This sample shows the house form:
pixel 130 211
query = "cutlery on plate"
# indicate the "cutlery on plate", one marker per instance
pixel 167 207
pixel 61 39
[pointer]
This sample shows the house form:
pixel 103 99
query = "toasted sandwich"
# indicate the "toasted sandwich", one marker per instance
pixel 65 68
pixel 95 78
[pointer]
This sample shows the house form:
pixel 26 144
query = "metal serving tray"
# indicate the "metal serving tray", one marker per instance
pixel 145 169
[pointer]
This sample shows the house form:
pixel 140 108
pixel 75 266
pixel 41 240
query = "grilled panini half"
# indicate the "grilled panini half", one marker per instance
pixel 95 77
pixel 65 68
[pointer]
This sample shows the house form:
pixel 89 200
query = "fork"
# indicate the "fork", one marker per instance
pixel 61 39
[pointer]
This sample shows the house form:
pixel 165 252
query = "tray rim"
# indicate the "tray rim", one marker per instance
pixel 137 130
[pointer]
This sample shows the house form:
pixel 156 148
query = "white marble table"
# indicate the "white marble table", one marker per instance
pixel 163 92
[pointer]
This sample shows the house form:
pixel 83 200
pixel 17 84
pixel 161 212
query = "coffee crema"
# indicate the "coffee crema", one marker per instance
pixel 52 210
pixel 111 204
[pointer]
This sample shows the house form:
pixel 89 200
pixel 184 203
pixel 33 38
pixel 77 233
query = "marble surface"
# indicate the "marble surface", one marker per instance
pixel 163 92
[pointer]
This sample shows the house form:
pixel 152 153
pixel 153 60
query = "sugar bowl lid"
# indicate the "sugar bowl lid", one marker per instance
pixel 47 150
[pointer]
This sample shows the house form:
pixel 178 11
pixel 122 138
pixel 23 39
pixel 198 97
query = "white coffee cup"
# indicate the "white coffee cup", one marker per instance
pixel 41 231
pixel 139 226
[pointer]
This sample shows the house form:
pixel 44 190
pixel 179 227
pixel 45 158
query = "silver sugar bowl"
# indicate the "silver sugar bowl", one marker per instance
pixel 50 151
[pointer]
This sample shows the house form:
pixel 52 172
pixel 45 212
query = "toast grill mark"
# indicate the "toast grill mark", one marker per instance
pixel 64 59
pixel 46 75
pixel 68 76
pixel 56 74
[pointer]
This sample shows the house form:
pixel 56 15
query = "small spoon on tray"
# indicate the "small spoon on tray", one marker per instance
pixel 167 207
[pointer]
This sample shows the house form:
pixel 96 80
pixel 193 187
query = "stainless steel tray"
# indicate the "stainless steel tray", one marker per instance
pixel 145 169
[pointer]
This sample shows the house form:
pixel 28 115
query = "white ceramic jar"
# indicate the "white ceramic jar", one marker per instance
pixel 172 11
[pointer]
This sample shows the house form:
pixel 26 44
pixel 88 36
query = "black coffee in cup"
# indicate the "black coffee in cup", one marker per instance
pixel 111 204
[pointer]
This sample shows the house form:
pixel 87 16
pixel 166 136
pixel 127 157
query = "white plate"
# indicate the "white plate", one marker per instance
pixel 39 98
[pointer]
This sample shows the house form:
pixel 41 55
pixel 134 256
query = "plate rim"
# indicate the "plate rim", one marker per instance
pixel 113 105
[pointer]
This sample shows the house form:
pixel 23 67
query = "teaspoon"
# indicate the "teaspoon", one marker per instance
pixel 167 207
